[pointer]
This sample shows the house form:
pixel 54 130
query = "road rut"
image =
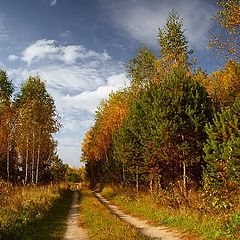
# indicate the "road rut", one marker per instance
pixel 160 232
pixel 74 231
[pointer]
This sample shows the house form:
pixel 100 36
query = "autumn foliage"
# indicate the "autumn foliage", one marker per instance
pixel 174 125
pixel 28 121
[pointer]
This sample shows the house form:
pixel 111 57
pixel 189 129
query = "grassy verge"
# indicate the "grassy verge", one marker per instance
pixel 24 208
pixel 202 225
pixel 101 224
pixel 53 226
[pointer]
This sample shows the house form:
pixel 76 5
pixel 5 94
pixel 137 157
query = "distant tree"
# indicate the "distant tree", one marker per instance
pixel 58 170
pixel 97 145
pixel 73 177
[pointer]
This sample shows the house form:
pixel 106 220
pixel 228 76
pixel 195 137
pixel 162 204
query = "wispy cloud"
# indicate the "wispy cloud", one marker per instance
pixel 53 2
pixel 12 57
pixel 142 19
pixel 65 34
pixel 4 33
pixel 49 50
pixel 89 100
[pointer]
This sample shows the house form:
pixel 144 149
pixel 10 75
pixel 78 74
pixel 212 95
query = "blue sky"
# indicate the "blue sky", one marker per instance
pixel 79 48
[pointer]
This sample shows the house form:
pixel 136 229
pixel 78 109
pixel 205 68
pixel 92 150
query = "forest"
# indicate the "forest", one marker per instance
pixel 174 124
pixel 167 146
pixel 174 132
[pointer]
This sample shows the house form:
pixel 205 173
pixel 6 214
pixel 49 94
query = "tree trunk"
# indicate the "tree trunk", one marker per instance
pixel 38 160
pixel 123 171
pixel 33 157
pixel 137 178
pixel 8 161
pixel 151 184
pixel 26 165
pixel 184 180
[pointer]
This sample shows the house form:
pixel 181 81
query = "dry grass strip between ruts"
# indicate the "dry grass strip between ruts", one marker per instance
pixel 146 229
pixel 101 224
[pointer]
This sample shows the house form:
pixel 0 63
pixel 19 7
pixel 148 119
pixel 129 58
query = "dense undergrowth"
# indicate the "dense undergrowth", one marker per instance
pixel 207 215
pixel 24 206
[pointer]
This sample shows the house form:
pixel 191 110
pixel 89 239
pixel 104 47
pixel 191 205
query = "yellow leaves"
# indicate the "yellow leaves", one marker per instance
pixel 228 19
pixel 224 85
pixel 109 117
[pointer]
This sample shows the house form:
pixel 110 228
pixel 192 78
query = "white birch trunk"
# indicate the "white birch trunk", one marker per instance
pixel 26 164
pixel 38 160
pixel 33 157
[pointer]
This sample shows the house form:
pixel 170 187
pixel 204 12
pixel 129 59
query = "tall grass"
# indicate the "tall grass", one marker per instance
pixel 53 226
pixel 198 214
pixel 22 206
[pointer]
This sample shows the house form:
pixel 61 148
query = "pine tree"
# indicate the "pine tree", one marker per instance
pixel 222 151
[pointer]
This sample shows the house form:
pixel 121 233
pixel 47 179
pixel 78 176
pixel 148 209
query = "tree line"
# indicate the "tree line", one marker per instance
pixel 28 120
pixel 174 124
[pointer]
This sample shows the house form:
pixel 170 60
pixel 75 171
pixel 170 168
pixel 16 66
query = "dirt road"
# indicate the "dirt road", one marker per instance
pixel 160 232
pixel 74 231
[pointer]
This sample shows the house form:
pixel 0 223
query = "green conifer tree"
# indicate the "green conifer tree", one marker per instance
pixel 222 150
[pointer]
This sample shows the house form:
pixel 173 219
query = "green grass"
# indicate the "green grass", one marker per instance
pixel 53 226
pixel 22 208
pixel 143 205
pixel 101 224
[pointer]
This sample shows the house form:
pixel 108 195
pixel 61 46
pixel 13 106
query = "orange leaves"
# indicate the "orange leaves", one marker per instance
pixel 228 20
pixel 109 118
pixel 224 85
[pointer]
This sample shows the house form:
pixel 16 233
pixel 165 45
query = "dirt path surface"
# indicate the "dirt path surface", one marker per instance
pixel 162 233
pixel 74 231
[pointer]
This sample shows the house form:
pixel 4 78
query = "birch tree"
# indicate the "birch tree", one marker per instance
pixel 37 121
pixel 6 122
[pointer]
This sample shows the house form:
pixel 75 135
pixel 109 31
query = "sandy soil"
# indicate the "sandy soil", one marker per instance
pixel 74 231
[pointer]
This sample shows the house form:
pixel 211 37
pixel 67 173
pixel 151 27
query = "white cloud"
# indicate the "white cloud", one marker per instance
pixel 68 155
pixel 76 88
pixel 53 2
pixel 49 50
pixel 39 50
pixel 70 79
pixel 89 100
pixel 12 57
pixel 142 19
